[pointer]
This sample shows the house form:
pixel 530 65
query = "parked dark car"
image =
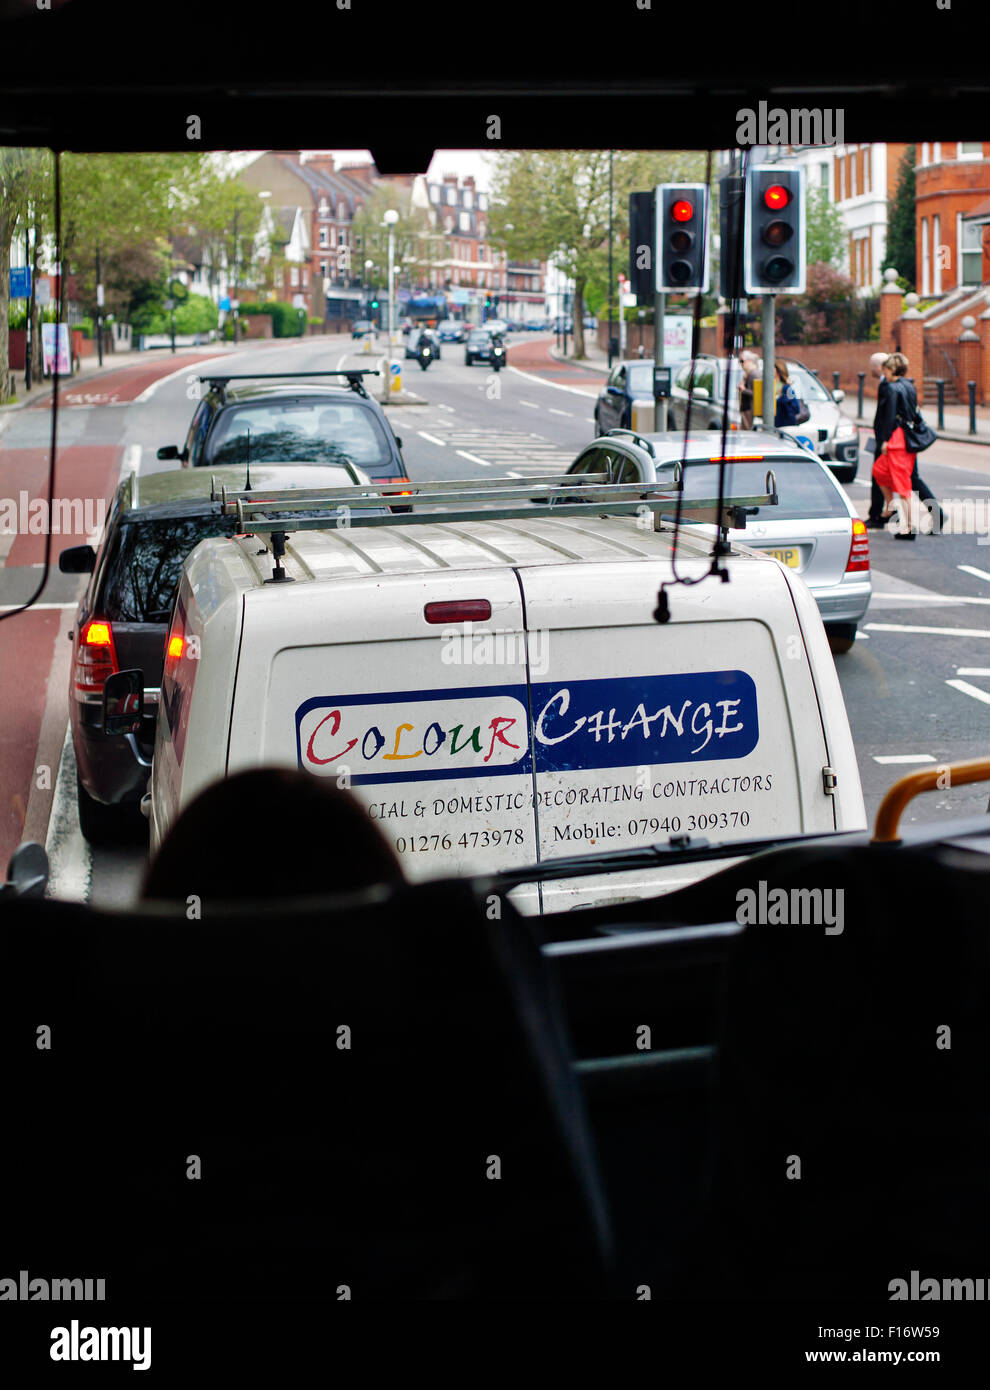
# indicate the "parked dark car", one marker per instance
pixel 122 620
pixel 626 382
pixel 325 424
pixel 452 330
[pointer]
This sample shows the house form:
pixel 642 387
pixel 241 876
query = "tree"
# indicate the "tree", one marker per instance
pixel 901 250
pixel 556 204
pixel 16 167
pixel 826 239
pixel 370 237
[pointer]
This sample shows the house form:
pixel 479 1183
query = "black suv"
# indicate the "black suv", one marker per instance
pixel 123 617
pixel 291 424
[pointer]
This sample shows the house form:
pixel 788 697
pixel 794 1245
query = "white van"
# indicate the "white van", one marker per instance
pixel 495 688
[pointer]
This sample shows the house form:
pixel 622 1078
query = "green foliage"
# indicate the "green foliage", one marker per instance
pixel 197 315
pixel 874 334
pixel 287 321
pixel 826 240
pixel 16 318
pixel 901 250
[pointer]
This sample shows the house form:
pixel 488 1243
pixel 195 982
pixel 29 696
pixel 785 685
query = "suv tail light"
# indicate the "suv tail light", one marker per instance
pixel 95 659
pixel 859 550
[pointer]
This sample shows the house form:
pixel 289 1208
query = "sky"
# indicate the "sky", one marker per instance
pixel 460 162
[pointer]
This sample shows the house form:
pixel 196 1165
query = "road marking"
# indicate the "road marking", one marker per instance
pixel 515 475
pixel 532 405
pixel 432 438
pixel 556 385
pixel 70 858
pixel 36 607
pixel 445 407
pixel 934 631
pixel 189 371
pixel 889 758
pixel 973 670
pixel 554 411
pixel 971 569
pixel 473 457
pixel 932 598
pixel 966 689
pixel 973 487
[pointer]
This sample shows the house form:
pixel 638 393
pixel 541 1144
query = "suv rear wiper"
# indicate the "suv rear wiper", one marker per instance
pixel 680 849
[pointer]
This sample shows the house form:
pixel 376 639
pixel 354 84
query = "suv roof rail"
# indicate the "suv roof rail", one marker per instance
pixel 639 439
pixel 493 499
pixel 353 375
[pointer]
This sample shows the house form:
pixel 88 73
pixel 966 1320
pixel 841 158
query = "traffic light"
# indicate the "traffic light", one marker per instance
pixel 374 304
pixel 731 219
pixel 775 231
pixel 642 246
pixel 682 238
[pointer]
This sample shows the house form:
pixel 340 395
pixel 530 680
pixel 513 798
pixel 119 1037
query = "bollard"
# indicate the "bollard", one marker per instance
pixel 859 408
pixel 971 385
pixel 940 383
pixel 835 381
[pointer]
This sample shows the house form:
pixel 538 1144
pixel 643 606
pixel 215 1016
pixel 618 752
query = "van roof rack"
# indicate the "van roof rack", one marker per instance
pixel 353 376
pixel 486 499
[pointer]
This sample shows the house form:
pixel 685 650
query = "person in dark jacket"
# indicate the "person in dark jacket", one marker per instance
pixel 788 402
pixel 894 463
pixel 874 520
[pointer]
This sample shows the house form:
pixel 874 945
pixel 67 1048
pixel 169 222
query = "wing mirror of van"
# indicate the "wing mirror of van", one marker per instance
pixel 123 702
pixel 27 872
pixel 78 559
pixel 838 394
pixel 168 451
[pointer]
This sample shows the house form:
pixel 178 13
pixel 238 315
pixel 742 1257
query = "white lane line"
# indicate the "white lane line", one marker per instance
pixel 973 670
pixel 556 385
pixel 191 373
pixel 441 406
pixel 971 569
pixel 973 487
pixel 934 631
pixel 532 405
pixel 515 475
pixel 69 856
pixel 432 438
pixel 908 599
pixel 554 411
pixel 473 457
pixel 965 688
pixel 36 607
pixel 889 758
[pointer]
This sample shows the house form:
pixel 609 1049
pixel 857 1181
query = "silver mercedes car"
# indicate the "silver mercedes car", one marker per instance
pixel 814 528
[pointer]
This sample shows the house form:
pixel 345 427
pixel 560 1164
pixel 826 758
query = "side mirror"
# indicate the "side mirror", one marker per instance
pixel 701 392
pixel 123 702
pixel 78 559
pixel 27 872
pixel 398 441
pixel 838 394
pixel 168 451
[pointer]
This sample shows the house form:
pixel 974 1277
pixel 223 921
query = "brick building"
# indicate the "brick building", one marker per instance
pixel 952 210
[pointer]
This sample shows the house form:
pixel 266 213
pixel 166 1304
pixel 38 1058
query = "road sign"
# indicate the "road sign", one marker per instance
pixel 43 290
pixel 396 371
pixel 20 282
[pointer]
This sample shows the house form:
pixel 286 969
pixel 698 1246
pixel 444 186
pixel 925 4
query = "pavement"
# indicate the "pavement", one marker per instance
pixel 956 419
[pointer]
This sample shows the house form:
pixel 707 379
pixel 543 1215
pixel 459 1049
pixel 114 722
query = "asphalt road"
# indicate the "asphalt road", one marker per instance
pixel 916 684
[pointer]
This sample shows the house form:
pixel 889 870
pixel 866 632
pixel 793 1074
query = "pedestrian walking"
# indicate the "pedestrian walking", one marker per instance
pixel 748 362
pixel 894 464
pixel 874 520
pixel 790 409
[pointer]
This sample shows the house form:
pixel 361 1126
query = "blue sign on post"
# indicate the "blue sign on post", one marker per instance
pixel 20 282
pixel 225 303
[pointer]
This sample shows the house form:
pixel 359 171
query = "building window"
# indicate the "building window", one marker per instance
pixel 294 277
pixel 483 201
pixel 936 151
pixel 324 208
pixel 852 173
pixel 451 196
pixel 937 269
pixel 970 149
pixel 305 279
pixel 323 269
pixel 867 161
pixel 324 241
pixel 926 269
pixel 840 165
pixel 823 176
pixel 464 221
pixel 924 153
pixel 971 253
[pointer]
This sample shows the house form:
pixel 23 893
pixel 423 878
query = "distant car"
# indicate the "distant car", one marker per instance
pixel 413 340
pixel 451 330
pixel 122 619
pixel 478 346
pixel 830 432
pixel 363 328
pixel 290 423
pixel 814 529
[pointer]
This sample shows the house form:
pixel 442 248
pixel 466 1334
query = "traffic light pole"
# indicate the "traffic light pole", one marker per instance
pixel 659 402
pixel 768 303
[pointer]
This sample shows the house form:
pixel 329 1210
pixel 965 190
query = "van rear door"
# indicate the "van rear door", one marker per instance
pixel 642 731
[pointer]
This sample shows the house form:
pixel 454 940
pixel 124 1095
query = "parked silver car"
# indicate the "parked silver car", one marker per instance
pixel 831 433
pixel 814 529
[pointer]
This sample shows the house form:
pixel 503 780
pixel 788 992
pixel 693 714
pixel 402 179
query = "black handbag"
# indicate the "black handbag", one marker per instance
pixel 803 414
pixel 918 434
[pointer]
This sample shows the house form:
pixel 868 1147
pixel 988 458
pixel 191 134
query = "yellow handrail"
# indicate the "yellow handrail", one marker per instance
pixel 941 777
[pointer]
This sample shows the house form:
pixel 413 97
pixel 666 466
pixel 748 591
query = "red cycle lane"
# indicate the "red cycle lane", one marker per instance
pixel 536 357
pixel 85 479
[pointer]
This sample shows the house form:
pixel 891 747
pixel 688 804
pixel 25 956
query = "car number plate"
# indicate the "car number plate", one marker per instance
pixel 788 556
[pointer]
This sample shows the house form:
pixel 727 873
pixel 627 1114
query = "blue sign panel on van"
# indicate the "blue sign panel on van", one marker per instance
pixel 486 731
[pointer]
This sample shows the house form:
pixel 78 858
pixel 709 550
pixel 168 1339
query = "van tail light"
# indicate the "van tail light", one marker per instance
pixel 95 659
pixel 469 610
pixel 859 550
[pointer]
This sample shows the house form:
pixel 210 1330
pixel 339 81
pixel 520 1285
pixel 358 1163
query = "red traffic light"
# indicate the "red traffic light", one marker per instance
pixel 776 197
pixel 682 210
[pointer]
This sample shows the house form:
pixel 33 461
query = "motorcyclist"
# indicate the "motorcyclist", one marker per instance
pixel 427 339
pixel 498 351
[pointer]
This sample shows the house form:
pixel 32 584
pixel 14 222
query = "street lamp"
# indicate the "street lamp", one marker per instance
pixel 368 268
pixel 389 220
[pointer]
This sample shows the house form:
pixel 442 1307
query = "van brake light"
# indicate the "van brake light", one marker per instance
pixel 476 610
pixel 736 458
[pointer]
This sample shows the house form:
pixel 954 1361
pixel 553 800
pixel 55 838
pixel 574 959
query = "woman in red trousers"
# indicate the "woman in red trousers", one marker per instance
pixel 894 464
